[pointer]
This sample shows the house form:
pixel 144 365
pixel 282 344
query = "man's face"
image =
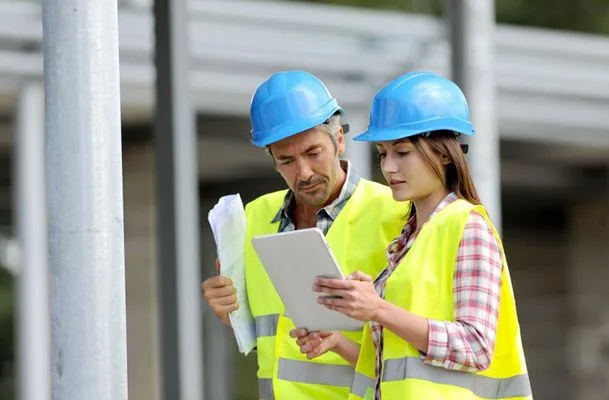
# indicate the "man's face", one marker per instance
pixel 309 164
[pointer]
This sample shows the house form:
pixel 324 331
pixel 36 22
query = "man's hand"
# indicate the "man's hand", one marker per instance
pixel 220 295
pixel 314 344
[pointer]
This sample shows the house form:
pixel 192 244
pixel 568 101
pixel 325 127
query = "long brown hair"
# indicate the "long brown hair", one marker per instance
pixel 458 177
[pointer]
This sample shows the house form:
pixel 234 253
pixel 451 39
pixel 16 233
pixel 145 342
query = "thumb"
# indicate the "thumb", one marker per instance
pixel 217 265
pixel 324 335
pixel 360 276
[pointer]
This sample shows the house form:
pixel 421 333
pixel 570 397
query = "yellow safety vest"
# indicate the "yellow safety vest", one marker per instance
pixel 358 238
pixel 423 284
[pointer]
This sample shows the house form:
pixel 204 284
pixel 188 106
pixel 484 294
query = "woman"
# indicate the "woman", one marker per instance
pixel 442 317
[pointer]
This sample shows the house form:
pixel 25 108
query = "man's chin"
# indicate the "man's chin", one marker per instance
pixel 314 200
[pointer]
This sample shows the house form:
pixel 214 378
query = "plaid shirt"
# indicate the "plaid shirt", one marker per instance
pixel 465 344
pixel 326 215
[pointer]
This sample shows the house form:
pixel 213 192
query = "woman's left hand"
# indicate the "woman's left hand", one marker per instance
pixel 354 296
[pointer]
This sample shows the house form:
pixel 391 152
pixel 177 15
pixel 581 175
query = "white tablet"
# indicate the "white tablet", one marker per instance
pixel 293 260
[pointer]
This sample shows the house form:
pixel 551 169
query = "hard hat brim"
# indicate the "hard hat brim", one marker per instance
pixel 284 132
pixel 374 134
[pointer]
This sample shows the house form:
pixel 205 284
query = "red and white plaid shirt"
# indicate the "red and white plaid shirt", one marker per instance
pixel 467 342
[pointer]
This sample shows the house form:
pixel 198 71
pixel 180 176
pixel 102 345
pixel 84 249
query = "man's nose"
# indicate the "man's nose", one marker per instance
pixel 305 172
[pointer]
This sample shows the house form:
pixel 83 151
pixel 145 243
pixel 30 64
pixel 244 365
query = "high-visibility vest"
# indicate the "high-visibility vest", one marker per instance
pixel 358 238
pixel 423 284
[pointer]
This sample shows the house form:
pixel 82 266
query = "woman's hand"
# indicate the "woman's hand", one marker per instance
pixel 354 296
pixel 314 344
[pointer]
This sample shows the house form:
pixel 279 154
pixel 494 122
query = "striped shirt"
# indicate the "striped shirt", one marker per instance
pixel 326 215
pixel 467 342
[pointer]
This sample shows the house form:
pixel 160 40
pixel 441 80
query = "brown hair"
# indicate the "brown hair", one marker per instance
pixel 458 177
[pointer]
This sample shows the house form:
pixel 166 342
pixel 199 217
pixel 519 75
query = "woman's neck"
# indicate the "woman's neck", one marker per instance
pixel 425 206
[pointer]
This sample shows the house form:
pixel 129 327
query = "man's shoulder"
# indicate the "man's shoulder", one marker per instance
pixel 372 190
pixel 273 200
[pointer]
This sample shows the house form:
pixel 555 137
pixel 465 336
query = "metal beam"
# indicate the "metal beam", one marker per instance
pixel 34 325
pixel 84 197
pixel 472 26
pixel 178 207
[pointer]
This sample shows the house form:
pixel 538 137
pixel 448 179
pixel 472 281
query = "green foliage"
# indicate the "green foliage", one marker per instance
pixel 591 16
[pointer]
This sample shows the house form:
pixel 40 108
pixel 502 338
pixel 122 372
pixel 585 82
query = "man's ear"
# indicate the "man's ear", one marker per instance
pixel 340 141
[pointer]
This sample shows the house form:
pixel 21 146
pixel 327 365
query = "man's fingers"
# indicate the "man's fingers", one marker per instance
pixel 217 265
pixel 298 332
pixel 310 338
pixel 221 310
pixel 217 282
pixel 224 301
pixel 215 295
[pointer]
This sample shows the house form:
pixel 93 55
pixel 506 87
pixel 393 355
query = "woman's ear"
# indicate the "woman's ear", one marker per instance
pixel 444 159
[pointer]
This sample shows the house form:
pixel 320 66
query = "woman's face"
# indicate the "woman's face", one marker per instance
pixel 406 171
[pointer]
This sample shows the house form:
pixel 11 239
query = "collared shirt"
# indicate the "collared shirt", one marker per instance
pixel 465 344
pixel 326 215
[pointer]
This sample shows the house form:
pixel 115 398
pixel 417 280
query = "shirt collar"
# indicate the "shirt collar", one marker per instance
pixel 442 205
pixel 332 209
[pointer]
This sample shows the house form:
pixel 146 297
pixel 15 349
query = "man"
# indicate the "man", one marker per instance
pixel 294 116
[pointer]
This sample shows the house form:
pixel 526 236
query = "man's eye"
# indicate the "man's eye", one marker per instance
pixel 381 155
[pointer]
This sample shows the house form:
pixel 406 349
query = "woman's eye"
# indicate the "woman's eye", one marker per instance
pixel 381 155
pixel 402 153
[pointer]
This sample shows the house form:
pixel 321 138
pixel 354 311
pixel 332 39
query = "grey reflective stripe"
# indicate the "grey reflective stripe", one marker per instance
pixel 361 383
pixel 481 386
pixel 265 389
pixel 315 373
pixel 266 325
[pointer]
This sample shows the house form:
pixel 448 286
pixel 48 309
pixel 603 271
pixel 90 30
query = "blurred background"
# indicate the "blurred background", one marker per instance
pixel 552 76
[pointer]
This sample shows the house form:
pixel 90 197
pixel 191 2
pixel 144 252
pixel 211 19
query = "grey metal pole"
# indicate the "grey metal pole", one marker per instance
pixel 34 326
pixel 472 31
pixel 178 212
pixel 359 153
pixel 84 194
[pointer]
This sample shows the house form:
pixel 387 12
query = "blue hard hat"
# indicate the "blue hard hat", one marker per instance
pixel 288 103
pixel 417 103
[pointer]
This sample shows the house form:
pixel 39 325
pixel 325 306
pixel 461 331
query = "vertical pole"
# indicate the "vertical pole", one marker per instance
pixel 359 153
pixel 178 212
pixel 33 316
pixel 84 197
pixel 472 36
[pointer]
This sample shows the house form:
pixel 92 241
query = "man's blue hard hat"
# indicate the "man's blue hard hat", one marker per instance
pixel 288 103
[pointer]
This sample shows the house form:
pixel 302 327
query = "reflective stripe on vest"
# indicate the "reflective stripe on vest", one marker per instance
pixel 481 386
pixel 360 384
pixel 266 325
pixel 314 373
pixel 265 389
pixel 414 368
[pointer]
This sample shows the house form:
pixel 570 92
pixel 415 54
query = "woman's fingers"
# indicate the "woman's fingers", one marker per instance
pixel 360 276
pixel 333 283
